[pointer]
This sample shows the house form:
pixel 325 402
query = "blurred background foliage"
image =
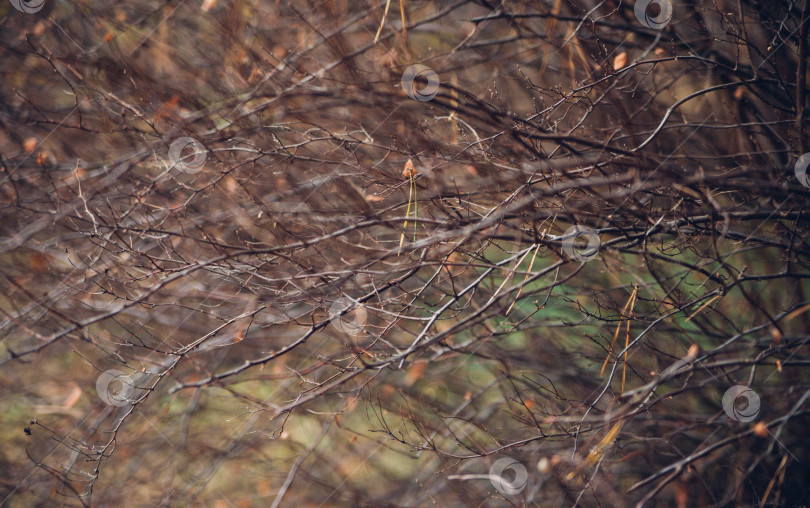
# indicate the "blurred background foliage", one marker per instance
pixel 475 334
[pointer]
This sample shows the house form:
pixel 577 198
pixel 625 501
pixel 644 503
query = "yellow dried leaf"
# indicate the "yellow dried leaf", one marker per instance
pixel 620 61
pixel 600 449
pixel 796 312
pixel 596 453
pixel 73 397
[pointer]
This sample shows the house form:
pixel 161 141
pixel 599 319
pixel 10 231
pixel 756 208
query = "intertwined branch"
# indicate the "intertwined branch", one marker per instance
pixel 245 260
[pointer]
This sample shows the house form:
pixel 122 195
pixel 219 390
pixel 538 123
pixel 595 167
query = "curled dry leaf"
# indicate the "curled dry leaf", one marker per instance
pixel 620 61
pixel 73 397
pixel 373 198
pixel 760 429
pixel 43 158
pixel 409 170
pixel 231 184
pixel 30 144
pixel 39 28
